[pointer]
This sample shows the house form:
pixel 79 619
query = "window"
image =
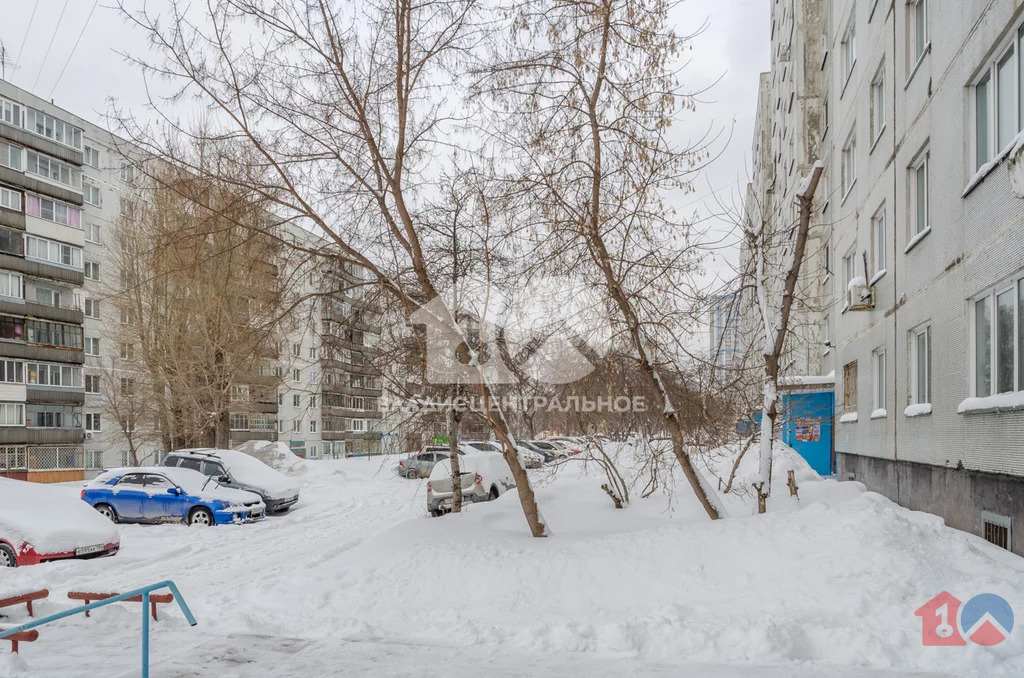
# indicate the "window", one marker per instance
pixel 358 425
pixel 296 350
pixel 50 127
pixel 920 365
pixel 53 252
pixel 312 352
pixel 850 387
pixel 920 10
pixel 12 328
pixel 91 156
pixel 92 270
pixel 921 204
pixel 280 426
pixel 54 170
pixel 10 285
pixel 53 210
pixel 850 266
pixel 91 193
pixel 12 242
pixel 92 383
pixel 296 400
pixel 127 351
pixel 11 113
pixel 878 392
pixel 126 317
pixel 849 167
pixel 92 421
pixel 878 240
pixel 53 334
pixel 878 103
pixel 12 414
pixel 238 422
pixel 127 387
pixel 127 173
pixel 52 416
pixel 92 233
pixel 312 451
pixel 296 375
pixel 92 346
pixel 312 401
pixel 12 372
pixel 849 49
pixel 10 199
pixel 45 374
pixel 10 156
pixel 997 340
pixel 92 308
pixel 312 425
pixel 999 101
pixel 296 426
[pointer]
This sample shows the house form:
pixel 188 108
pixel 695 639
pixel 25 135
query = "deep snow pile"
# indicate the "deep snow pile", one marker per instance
pixel 276 455
pixel 49 519
pixel 828 580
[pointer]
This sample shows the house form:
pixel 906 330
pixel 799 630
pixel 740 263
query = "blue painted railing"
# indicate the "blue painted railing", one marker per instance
pixel 144 592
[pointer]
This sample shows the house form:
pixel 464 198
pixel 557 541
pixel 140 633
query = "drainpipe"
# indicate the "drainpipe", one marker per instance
pixel 895 250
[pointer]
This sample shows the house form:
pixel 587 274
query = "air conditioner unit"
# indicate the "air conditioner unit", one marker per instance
pixel 860 298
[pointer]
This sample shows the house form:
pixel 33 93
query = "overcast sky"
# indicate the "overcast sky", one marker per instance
pixel 733 47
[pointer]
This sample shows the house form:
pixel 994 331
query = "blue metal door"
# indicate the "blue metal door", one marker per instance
pixel 807 427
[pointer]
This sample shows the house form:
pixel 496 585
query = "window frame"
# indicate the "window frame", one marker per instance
pixel 914 334
pixel 989 76
pixel 879 260
pixel 877 94
pixel 849 163
pixel 879 377
pixel 922 160
pixel 1015 286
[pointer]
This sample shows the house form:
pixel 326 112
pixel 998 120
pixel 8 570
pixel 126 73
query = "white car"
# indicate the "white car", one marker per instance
pixel 485 477
pixel 527 457
pixel 39 523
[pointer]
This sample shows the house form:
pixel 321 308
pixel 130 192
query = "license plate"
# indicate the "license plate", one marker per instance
pixel 86 550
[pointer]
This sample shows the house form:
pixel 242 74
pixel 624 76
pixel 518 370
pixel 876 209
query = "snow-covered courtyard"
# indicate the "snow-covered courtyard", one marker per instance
pixel 357 579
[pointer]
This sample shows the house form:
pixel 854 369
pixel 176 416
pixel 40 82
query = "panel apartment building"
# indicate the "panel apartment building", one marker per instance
pixel 63 182
pixel 923 241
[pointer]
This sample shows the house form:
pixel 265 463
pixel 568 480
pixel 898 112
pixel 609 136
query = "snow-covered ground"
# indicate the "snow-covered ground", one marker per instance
pixel 356 579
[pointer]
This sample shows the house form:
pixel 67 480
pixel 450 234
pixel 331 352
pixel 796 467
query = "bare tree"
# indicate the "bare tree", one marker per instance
pixel 339 115
pixel 587 94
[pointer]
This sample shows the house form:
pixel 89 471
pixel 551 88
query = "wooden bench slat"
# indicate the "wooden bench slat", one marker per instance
pixel 155 598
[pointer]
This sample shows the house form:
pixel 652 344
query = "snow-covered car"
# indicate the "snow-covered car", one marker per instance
pixel 240 471
pixel 484 477
pixel 550 449
pixel 527 457
pixel 39 523
pixel 547 454
pixel 163 494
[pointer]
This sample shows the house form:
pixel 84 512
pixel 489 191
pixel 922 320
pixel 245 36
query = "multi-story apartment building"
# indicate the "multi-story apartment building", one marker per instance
pixel 44 222
pixel 788 136
pixel 329 402
pixel 64 183
pixel 724 334
pixel 924 240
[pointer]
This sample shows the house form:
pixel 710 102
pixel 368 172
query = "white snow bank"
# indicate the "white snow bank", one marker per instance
pixel 879 414
pixel 918 410
pixel 857 282
pixel 808 380
pixel 1003 402
pixel 276 455
pixel 848 418
pixel 49 518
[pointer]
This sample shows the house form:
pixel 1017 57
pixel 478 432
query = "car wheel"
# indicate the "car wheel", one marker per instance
pixel 200 516
pixel 7 558
pixel 412 474
pixel 494 493
pixel 107 511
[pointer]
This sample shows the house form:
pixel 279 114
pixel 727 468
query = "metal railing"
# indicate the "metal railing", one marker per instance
pixel 144 592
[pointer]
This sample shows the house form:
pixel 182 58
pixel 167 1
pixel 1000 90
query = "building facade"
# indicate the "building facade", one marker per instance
pixel 924 242
pixel 64 185
pixel 725 347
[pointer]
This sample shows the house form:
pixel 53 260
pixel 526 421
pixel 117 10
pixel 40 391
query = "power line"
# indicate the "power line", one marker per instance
pixel 80 34
pixel 24 38
pixel 52 37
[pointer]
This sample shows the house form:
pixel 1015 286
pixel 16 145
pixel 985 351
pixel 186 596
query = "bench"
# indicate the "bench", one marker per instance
pixel 25 599
pixel 153 599
pixel 21 637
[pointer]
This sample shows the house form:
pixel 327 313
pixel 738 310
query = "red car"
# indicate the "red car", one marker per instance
pixel 39 523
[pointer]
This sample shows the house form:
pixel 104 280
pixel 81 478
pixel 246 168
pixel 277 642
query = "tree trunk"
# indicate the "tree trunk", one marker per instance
pixel 454 427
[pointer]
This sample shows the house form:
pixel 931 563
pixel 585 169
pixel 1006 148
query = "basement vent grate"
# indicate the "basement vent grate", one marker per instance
pixel 996 529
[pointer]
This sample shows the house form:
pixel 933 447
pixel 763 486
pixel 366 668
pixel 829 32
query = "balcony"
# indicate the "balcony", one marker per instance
pixel 54 394
pixel 352 414
pixel 12 218
pixel 42 144
pixel 44 436
pixel 37 185
pixel 40 269
pixel 19 349
pixel 351 390
pixel 67 313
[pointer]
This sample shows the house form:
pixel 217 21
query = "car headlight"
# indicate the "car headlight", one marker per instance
pixel 223 504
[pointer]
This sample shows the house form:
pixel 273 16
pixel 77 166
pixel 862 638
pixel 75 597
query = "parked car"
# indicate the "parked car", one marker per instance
pixel 484 477
pixel 240 471
pixel 163 494
pixel 549 449
pixel 420 464
pixel 546 454
pixel 39 523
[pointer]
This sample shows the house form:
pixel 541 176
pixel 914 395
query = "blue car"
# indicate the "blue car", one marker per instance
pixel 160 494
